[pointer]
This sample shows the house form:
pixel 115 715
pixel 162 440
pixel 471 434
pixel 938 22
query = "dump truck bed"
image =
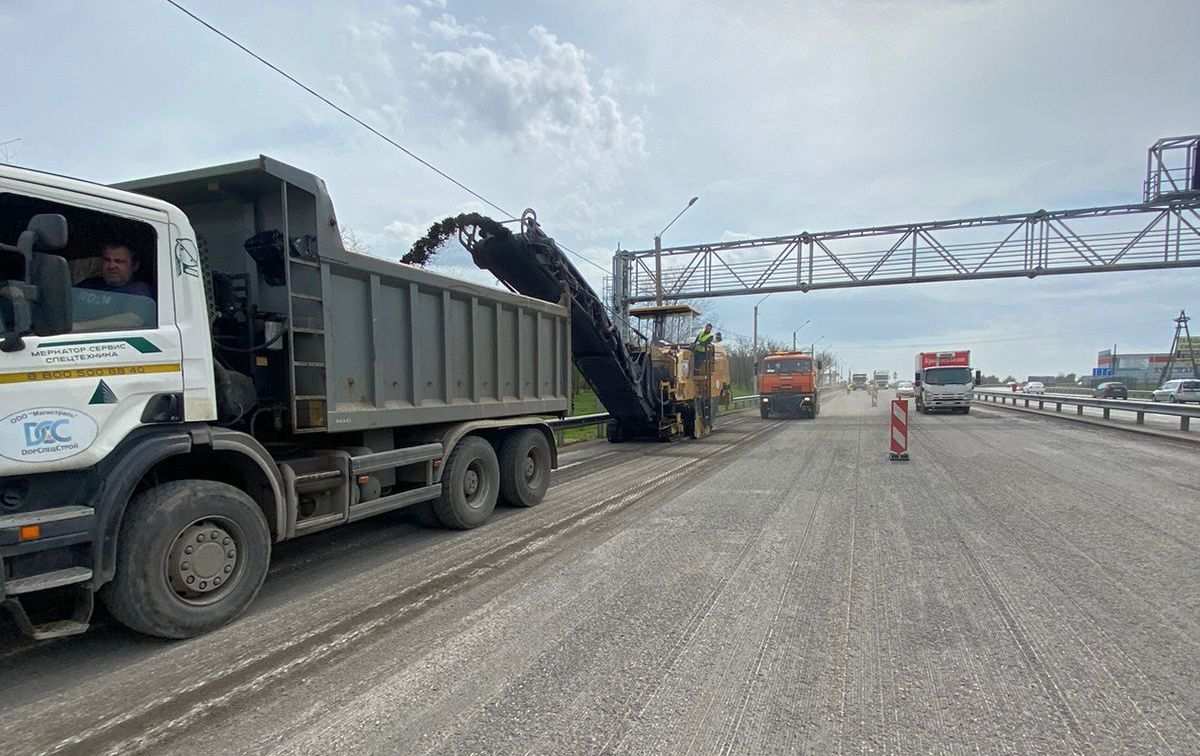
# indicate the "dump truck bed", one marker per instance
pixel 370 343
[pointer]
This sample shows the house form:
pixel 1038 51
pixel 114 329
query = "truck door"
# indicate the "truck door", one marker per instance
pixel 66 400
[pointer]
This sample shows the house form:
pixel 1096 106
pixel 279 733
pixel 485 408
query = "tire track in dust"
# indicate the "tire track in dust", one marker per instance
pixel 636 705
pixel 850 591
pixel 729 740
pixel 1008 615
pixel 166 717
pixel 1069 594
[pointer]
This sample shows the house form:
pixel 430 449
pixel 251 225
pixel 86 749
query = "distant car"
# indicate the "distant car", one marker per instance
pixel 905 390
pixel 1111 390
pixel 1035 387
pixel 1180 390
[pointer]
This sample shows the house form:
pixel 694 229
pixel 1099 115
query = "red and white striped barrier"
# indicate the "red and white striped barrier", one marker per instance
pixel 899 448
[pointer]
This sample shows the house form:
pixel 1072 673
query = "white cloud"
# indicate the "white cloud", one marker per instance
pixel 434 3
pixel 547 100
pixel 403 233
pixel 447 27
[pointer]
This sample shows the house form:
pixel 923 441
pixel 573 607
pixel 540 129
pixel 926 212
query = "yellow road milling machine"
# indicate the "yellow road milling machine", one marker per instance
pixel 652 388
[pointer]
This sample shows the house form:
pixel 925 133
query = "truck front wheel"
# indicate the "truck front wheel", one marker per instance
pixel 524 468
pixel 764 412
pixel 470 485
pixel 192 555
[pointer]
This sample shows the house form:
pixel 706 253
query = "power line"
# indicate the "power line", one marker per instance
pixel 356 119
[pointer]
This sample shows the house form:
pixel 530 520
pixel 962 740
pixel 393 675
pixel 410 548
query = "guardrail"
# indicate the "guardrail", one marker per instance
pixel 1138 407
pixel 1073 391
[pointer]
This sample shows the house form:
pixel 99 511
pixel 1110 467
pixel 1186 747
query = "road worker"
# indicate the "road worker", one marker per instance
pixel 702 347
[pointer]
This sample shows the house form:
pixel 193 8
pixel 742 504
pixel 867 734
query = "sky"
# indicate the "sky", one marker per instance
pixel 606 116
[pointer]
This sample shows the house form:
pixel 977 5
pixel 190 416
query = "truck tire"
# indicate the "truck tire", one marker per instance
pixel 966 410
pixel 614 432
pixel 764 412
pixel 192 555
pixel 524 468
pixel 470 485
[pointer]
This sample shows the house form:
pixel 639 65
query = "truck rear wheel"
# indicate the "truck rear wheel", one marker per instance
pixel 524 468
pixel 470 485
pixel 192 555
pixel 614 432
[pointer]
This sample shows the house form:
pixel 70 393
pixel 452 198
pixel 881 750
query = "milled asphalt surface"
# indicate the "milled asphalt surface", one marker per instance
pixel 1020 586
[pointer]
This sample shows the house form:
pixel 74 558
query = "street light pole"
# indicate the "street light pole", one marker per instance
pixel 801 328
pixel 658 288
pixel 756 304
pixel 658 298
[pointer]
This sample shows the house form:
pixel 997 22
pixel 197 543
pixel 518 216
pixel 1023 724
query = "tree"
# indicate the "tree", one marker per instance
pixel 352 243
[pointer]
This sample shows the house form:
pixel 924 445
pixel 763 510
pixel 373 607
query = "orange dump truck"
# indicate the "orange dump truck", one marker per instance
pixel 787 384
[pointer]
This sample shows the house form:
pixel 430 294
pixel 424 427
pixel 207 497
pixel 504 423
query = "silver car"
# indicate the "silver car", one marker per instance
pixel 1179 390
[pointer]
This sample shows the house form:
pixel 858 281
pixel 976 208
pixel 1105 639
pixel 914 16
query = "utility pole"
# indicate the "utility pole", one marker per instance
pixel 658 287
pixel 756 304
pixel 756 330
pixel 1181 328
pixel 798 330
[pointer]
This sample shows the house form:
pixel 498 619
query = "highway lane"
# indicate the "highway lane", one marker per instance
pixel 1020 586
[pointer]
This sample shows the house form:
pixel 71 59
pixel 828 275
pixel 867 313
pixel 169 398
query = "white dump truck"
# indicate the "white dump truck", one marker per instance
pixel 193 368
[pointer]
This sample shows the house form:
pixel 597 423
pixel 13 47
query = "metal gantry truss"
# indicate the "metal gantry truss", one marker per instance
pixel 1163 232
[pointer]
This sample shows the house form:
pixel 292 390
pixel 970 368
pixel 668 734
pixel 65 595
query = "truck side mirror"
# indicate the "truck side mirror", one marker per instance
pixel 30 307
pixel 978 377
pixel 52 313
pixel 820 365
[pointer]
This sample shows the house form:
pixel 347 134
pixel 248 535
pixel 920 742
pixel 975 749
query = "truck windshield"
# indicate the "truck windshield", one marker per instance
pixel 948 376
pixel 789 366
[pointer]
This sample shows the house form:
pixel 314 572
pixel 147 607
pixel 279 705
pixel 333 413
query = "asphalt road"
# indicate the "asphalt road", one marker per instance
pixel 1021 586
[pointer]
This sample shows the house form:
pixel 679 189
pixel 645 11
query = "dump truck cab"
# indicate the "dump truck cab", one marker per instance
pixel 787 385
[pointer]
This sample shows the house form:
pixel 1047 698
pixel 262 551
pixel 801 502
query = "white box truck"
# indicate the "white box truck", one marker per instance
pixel 944 381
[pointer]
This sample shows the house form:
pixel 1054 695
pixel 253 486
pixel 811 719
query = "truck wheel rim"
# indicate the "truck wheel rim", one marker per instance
pixel 475 485
pixel 533 470
pixel 203 564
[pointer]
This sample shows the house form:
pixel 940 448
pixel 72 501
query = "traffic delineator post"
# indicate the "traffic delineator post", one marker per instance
pixel 899 436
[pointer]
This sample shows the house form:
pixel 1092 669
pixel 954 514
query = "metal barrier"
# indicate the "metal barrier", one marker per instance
pixel 1071 391
pixel 1140 408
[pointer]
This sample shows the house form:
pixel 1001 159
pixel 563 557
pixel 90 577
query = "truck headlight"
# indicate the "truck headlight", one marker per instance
pixel 765 400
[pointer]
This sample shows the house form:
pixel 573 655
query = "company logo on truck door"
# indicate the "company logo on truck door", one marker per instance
pixel 93 350
pixel 45 434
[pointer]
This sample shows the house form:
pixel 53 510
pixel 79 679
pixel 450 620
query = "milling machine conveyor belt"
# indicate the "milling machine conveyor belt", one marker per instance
pixel 531 264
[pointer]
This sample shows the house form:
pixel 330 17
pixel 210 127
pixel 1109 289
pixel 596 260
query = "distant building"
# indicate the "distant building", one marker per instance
pixel 1142 368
